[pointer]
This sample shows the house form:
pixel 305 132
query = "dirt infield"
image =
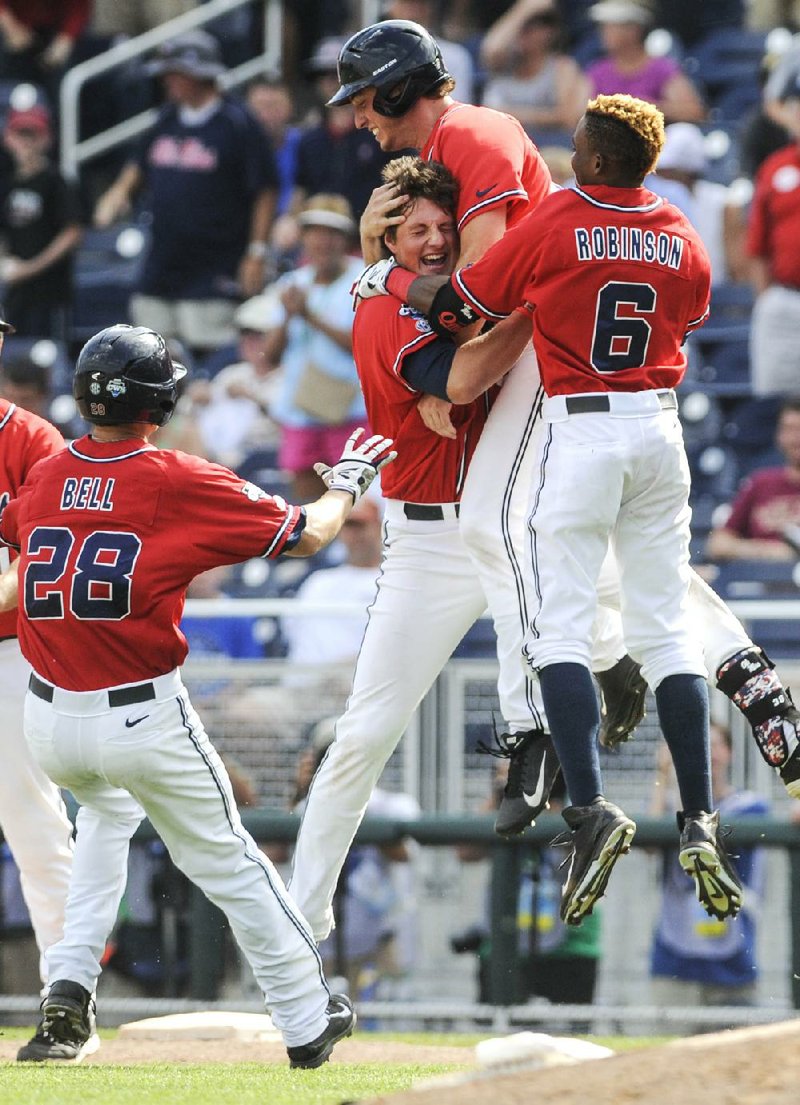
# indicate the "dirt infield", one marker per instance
pixel 750 1066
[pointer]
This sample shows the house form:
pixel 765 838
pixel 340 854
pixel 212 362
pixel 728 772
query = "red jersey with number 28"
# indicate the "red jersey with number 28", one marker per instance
pixel 110 535
pixel 429 468
pixel 616 278
pixel 25 438
pixel 493 160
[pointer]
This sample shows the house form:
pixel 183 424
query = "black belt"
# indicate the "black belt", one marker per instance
pixel 588 404
pixel 426 512
pixel 120 696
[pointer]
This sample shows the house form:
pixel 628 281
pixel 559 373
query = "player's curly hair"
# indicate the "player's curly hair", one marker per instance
pixel 627 131
pixel 420 179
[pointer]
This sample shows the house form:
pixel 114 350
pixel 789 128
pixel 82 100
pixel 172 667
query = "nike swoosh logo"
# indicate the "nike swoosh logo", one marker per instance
pixel 129 723
pixel 538 794
pixel 481 192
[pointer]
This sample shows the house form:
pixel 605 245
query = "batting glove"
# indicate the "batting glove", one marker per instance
pixel 372 281
pixel 358 465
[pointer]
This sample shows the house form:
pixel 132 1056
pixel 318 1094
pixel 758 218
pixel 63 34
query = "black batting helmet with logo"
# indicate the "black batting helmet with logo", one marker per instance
pixel 126 374
pixel 398 58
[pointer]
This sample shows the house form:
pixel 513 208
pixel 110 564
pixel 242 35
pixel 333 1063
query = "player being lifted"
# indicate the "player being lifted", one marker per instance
pixel 611 465
pixel 443 128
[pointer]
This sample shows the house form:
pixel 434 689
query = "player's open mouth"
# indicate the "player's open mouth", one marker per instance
pixel 434 261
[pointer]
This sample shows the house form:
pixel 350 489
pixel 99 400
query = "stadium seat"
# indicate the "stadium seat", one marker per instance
pixel 715 473
pixel 107 267
pixel 725 64
pixel 45 353
pixel 749 427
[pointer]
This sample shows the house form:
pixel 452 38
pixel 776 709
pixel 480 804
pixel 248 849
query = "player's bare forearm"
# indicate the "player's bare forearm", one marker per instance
pixel 485 360
pixel 9 592
pixel 423 291
pixel 324 519
pixel 723 544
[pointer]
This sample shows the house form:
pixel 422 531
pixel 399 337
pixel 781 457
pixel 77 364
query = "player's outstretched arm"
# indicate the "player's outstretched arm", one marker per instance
pixel 485 360
pixel 9 588
pixel 346 481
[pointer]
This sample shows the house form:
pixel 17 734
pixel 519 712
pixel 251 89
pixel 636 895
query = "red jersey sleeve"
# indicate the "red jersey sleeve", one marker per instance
pixel 231 519
pixel 493 159
pixel 496 284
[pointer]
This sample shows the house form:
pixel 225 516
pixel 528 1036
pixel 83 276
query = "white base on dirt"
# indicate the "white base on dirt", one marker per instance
pixel 535 1049
pixel 209 1025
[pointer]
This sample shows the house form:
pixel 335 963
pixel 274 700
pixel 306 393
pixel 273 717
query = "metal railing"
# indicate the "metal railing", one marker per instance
pixel 74 151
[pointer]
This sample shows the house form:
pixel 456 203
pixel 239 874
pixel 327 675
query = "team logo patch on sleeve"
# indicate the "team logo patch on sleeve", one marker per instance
pixel 252 492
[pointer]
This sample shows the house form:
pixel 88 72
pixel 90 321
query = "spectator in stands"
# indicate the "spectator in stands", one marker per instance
pixel 40 222
pixel 134 17
pixel 457 58
pixel 232 410
pixel 38 39
pixel 628 68
pixel 26 383
pixel 530 77
pixel 762 131
pixel 375 940
pixel 697 960
pixel 319 403
pixel 717 215
pixel 766 511
pixel 773 242
pixel 270 101
pixel 334 156
pixel 211 187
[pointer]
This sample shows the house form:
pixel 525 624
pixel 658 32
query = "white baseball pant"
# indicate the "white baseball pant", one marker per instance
pixel 428 596
pixel 494 511
pixel 32 814
pixel 155 758
pixel 622 475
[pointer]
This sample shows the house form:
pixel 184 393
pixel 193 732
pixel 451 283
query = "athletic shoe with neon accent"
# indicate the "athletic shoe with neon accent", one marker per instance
pixel 341 1022
pixel 703 856
pixel 623 692
pixel 599 834
pixel 67 1031
pixel 532 771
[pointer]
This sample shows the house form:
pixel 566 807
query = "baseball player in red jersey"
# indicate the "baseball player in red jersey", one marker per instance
pixel 394 76
pixel 429 591
pixel 32 815
pixel 611 465
pixel 398 93
pixel 110 532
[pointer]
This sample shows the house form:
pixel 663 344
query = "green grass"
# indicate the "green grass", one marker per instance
pixel 231 1084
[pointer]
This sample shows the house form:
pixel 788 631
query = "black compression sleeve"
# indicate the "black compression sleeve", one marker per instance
pixel 449 312
pixel 428 368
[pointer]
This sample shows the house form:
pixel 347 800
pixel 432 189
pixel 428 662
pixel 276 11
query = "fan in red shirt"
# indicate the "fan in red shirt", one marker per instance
pixel 110 532
pixel 32 815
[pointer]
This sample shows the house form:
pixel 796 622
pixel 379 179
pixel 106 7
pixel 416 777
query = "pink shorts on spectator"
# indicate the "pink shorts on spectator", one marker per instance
pixel 302 446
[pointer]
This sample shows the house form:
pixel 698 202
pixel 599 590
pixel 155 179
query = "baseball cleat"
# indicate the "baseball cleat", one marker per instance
pixel 532 771
pixel 341 1022
pixel 704 856
pixel 67 1031
pixel 599 834
pixel 623 692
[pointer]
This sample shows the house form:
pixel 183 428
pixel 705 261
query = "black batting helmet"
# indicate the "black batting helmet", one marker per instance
pixel 398 58
pixel 126 374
